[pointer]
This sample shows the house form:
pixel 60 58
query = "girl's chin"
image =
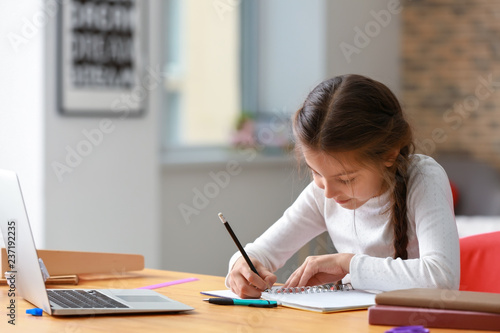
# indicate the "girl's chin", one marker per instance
pixel 350 204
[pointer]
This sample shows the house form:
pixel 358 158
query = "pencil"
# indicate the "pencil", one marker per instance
pixel 238 244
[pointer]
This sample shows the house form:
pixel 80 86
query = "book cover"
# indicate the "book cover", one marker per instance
pixel 441 299
pixel 432 318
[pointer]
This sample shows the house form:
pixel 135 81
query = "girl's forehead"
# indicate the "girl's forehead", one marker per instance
pixel 341 162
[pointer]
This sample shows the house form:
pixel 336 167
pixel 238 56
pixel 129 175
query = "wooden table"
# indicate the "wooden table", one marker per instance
pixel 205 318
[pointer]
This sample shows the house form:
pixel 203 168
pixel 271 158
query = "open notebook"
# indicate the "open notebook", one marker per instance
pixel 325 298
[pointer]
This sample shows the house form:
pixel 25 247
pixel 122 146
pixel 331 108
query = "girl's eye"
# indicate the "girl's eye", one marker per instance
pixel 348 181
pixel 315 173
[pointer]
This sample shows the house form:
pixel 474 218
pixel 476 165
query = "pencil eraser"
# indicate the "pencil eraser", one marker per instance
pixel 34 312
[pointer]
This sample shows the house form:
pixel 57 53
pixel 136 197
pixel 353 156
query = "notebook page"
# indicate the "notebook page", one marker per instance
pixel 325 301
pixel 221 293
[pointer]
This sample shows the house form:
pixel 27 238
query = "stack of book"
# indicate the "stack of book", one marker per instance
pixel 437 308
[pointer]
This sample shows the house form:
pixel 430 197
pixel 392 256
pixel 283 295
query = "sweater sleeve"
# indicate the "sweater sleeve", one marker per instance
pixel 430 206
pixel 301 222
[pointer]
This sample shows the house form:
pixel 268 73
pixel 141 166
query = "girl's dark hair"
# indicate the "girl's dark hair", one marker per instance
pixel 353 113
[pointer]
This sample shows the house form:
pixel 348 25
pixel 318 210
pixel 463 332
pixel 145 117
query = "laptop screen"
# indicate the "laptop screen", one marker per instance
pixel 20 245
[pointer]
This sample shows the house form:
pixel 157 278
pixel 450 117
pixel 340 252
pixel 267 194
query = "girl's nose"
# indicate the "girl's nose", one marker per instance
pixel 330 191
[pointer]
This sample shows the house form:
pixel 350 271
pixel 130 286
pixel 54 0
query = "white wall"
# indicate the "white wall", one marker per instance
pixel 110 201
pixel 22 95
pixel 292 52
pixel 300 48
pixel 251 199
pixel 370 27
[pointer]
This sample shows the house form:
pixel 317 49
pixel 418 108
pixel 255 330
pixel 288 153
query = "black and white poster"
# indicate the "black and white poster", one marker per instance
pixel 100 56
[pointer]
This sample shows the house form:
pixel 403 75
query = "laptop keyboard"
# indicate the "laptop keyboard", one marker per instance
pixel 88 299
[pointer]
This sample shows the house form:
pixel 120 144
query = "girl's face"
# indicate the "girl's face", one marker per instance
pixel 349 184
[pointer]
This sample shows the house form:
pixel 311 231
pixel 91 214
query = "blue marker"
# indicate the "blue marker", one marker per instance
pixel 246 302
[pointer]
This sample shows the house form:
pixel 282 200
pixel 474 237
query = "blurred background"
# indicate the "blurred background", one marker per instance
pixel 131 124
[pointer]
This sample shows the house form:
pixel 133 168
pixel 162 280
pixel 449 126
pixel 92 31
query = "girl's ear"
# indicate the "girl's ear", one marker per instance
pixel 391 158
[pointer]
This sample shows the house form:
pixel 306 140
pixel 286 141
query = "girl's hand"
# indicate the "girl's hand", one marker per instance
pixel 317 270
pixel 245 283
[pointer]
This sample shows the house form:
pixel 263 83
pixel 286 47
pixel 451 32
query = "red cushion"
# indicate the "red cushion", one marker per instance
pixel 480 262
pixel 455 193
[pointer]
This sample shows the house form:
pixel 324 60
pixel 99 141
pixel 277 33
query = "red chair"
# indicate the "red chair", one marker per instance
pixel 480 262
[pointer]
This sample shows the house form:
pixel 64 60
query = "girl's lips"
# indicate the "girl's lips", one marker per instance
pixel 341 202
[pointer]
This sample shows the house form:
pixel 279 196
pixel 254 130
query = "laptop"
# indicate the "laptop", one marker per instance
pixel 25 272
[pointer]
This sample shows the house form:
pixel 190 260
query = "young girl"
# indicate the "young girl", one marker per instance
pixel 389 212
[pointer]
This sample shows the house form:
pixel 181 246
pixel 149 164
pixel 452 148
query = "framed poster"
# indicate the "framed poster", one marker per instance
pixel 101 47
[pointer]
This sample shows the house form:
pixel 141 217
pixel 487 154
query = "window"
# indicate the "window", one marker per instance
pixel 202 73
pixel 226 57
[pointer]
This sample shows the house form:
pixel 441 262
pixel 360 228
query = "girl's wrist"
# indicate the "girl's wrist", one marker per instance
pixel 346 262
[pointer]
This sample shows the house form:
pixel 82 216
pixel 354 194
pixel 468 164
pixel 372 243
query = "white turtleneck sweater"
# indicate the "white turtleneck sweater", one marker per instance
pixel 433 247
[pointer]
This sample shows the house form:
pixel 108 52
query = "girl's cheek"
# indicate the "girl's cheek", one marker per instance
pixel 318 182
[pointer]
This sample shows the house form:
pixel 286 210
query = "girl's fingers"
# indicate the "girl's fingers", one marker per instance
pixel 293 280
pixel 246 283
pixel 243 288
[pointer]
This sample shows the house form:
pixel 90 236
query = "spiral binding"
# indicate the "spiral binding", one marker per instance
pixel 313 289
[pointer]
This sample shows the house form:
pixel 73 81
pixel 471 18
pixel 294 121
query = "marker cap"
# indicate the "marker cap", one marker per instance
pixel 34 312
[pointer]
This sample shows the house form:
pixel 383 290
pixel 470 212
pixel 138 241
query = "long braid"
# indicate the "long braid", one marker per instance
pixel 399 217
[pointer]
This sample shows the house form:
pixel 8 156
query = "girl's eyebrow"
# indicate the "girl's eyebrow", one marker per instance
pixel 340 174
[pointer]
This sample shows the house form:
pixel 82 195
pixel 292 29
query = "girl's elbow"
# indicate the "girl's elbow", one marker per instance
pixel 451 282
pixel 447 279
pixel 441 275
